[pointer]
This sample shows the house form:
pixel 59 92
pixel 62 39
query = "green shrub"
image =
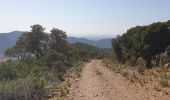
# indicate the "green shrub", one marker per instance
pixel 22 81
pixel 59 66
pixel 22 89
pixel 142 41
pixel 141 70
pixel 7 72
pixel 164 79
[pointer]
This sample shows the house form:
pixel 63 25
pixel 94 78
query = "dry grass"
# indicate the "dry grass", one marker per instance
pixel 157 87
pixel 164 79
pixel 61 89
pixel 155 78
pixel 22 89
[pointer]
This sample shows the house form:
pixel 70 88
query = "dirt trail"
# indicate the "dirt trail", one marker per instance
pixel 99 83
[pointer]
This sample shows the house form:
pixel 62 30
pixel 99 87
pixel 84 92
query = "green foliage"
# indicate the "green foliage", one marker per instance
pixel 21 89
pixel 85 51
pixel 141 70
pixel 59 66
pixel 144 41
pixel 52 56
pixel 168 51
pixel 58 41
pixel 164 80
pixel 22 81
pixel 6 72
pixel 30 43
pixel 164 77
pixel 117 49
pixel 42 58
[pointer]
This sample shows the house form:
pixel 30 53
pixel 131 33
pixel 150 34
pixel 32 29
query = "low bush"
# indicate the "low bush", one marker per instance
pixel 22 89
pixel 164 79
pixel 22 81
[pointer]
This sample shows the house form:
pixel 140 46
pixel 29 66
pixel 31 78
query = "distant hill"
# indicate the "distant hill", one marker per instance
pixel 1 56
pixel 103 43
pixel 8 40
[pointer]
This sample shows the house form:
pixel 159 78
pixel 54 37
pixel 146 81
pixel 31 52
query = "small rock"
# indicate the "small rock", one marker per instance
pixel 49 96
pixel 78 91
pixel 167 65
pixel 161 93
pixel 165 93
pixel 96 95
pixel 154 95
pixel 71 89
pixel 152 98
pixel 71 92
pixel 81 95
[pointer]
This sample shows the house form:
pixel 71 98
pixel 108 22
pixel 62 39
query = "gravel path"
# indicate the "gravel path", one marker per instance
pixel 99 83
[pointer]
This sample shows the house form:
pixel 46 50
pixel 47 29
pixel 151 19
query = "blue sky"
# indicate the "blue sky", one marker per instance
pixel 82 18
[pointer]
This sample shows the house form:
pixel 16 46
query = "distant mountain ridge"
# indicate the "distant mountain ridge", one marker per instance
pixel 7 40
pixel 103 43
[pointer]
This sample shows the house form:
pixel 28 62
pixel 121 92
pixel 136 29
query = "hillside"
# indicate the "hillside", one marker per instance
pixel 7 40
pixel 103 43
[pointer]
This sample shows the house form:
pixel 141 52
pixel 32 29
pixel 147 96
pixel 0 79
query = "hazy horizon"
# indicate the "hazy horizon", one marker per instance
pixel 82 18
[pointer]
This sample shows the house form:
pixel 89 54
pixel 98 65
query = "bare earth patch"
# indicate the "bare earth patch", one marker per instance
pixel 98 82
